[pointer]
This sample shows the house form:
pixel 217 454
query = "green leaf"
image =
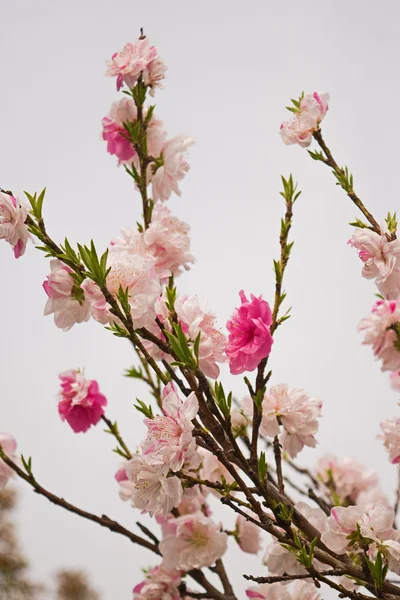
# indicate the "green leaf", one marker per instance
pixel 133 372
pixel 262 467
pixel 143 408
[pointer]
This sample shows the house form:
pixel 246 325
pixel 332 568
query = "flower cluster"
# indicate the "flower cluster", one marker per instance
pixel 308 114
pixel 12 223
pixel 291 414
pixel 81 404
pixel 135 60
pixel 160 583
pixel 250 337
pixel 379 330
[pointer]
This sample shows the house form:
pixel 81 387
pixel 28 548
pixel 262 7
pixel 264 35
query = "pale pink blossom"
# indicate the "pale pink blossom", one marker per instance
pixel 134 59
pixel 377 524
pixel 196 319
pixel 12 223
pixel 249 338
pixel 378 333
pixel 370 497
pixel 171 168
pixel 248 535
pixel 193 501
pixel 116 136
pixel 160 584
pixel 197 542
pixel 125 486
pixel 170 441
pixel 239 422
pixel 300 128
pixel 380 258
pixel 395 380
pixel 296 412
pixel 349 477
pixel 80 402
pixel 154 492
pixel 340 524
pixel 391 438
pixel 268 591
pixel 302 590
pixel 9 446
pixel 213 470
pixel 167 241
pixel 134 274
pixel 65 299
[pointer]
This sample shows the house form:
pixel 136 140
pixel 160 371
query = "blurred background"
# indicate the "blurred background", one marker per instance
pixel 232 68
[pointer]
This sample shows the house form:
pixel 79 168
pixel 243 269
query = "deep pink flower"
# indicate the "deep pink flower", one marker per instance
pixel 12 223
pixel 81 403
pixel 250 337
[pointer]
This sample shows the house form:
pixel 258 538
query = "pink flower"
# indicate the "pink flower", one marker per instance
pixel 341 523
pixel 213 470
pixel 196 319
pixel 348 477
pixel 9 447
pixel 395 380
pixel 380 260
pixel 114 133
pixel 65 299
pixel 160 584
pixel 170 441
pixel 167 241
pixel 248 535
pixel 81 403
pixel 377 524
pixel 302 590
pixel 376 327
pixel 125 486
pixel 134 274
pixel 306 120
pixel 197 542
pixel 135 59
pixel 391 438
pixel 171 168
pixel 249 338
pixel 193 501
pixel 12 223
pixel 153 491
pixel 296 412
pixel 268 591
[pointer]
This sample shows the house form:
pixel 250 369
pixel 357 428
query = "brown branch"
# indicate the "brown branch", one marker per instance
pixel 285 577
pixel 278 462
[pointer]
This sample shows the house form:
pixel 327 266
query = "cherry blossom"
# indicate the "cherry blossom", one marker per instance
pixel 81 404
pixel 197 542
pixel 170 440
pixel 347 477
pixel 300 128
pixel 213 470
pixel 135 59
pixel 340 524
pixel 249 338
pixel 296 412
pixel 153 491
pixel 65 300
pixel 160 584
pixel 170 168
pixel 380 258
pixel 302 590
pixel 126 487
pixel 12 223
pixel 268 591
pixel 391 438
pixel 395 380
pixel 9 446
pixel 378 333
pixel 248 535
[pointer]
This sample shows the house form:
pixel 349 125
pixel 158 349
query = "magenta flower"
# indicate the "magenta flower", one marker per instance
pixel 81 403
pixel 250 337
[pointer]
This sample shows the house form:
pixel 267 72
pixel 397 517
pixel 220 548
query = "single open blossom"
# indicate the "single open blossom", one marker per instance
pixel 378 333
pixel 171 168
pixel 12 223
pixel 65 300
pixel 300 128
pixel 296 412
pixel 340 524
pixel 134 59
pixel 81 404
pixel 302 590
pixel 134 274
pixel 9 446
pixel 268 591
pixel 347 477
pixel 170 441
pixel 249 338
pixel 160 584
pixel 391 438
pixel 248 535
pixel 114 133
pixel 213 470
pixel 153 491
pixel 380 258
pixel 197 542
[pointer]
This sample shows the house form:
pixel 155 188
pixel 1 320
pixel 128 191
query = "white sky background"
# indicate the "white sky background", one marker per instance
pixel 232 67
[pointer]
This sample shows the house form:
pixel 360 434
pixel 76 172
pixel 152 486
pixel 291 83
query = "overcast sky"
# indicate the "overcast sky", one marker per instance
pixel 232 67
